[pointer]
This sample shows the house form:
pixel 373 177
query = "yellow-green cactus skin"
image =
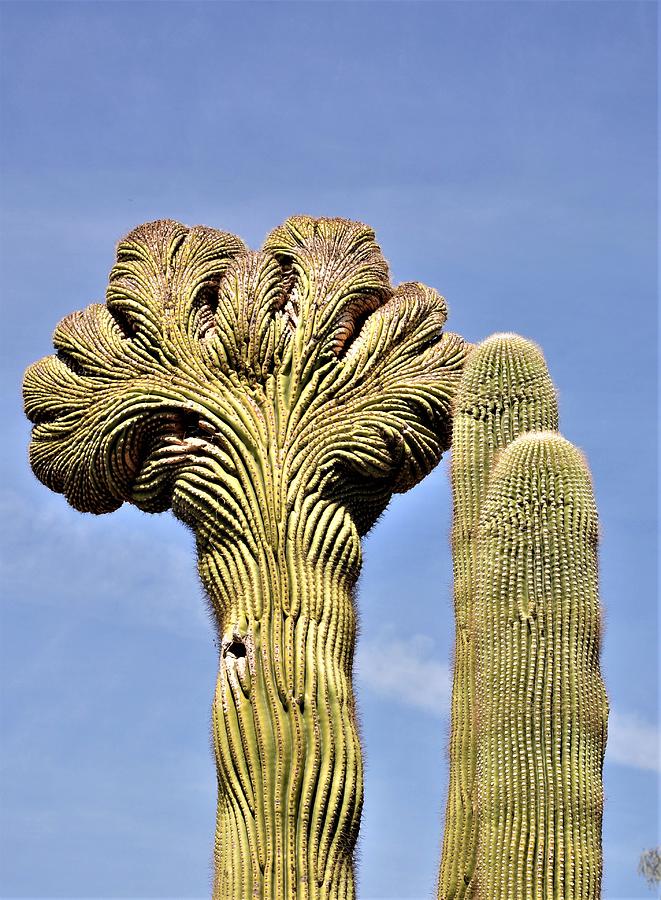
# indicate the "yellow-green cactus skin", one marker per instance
pixel 274 400
pixel 523 816
pixel 541 703
pixel 505 390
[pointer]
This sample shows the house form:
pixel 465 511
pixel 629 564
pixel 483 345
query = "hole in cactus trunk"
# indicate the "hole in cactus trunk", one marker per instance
pixel 236 649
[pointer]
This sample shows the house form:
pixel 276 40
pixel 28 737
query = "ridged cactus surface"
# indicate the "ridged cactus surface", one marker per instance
pixel 274 400
pixel 541 703
pixel 505 390
pixel 529 710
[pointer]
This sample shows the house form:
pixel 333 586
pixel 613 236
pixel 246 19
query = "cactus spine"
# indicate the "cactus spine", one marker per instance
pixel 518 824
pixel 274 400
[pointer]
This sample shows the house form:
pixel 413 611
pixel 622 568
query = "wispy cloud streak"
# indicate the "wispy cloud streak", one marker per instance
pixel 633 742
pixel 405 670
pixel 125 568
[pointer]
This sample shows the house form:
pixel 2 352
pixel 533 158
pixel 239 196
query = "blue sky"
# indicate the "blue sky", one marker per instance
pixel 505 154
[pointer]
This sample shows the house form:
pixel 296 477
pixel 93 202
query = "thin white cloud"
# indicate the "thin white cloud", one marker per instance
pixel 633 742
pixel 127 567
pixel 405 670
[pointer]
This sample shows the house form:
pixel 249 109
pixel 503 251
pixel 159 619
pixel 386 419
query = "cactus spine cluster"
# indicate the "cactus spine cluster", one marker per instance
pixel 274 400
pixel 529 709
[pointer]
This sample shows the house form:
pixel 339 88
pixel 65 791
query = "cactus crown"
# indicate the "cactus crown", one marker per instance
pixel 201 341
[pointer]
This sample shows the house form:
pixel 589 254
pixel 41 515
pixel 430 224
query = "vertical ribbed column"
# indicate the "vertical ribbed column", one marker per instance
pixel 505 390
pixel 284 722
pixel 289 766
pixel 542 708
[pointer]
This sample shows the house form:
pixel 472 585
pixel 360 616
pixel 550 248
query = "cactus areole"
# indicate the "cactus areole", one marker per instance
pixel 274 400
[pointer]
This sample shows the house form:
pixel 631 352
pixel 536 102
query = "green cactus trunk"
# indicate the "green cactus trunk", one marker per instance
pixel 284 723
pixel 541 703
pixel 290 791
pixel 505 390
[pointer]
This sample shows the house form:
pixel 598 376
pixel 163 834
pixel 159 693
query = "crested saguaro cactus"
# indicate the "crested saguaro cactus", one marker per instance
pixel 529 710
pixel 274 400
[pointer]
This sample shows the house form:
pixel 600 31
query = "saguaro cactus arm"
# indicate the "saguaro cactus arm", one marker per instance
pixel 505 390
pixel 274 400
pixel 542 707
pixel 529 708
